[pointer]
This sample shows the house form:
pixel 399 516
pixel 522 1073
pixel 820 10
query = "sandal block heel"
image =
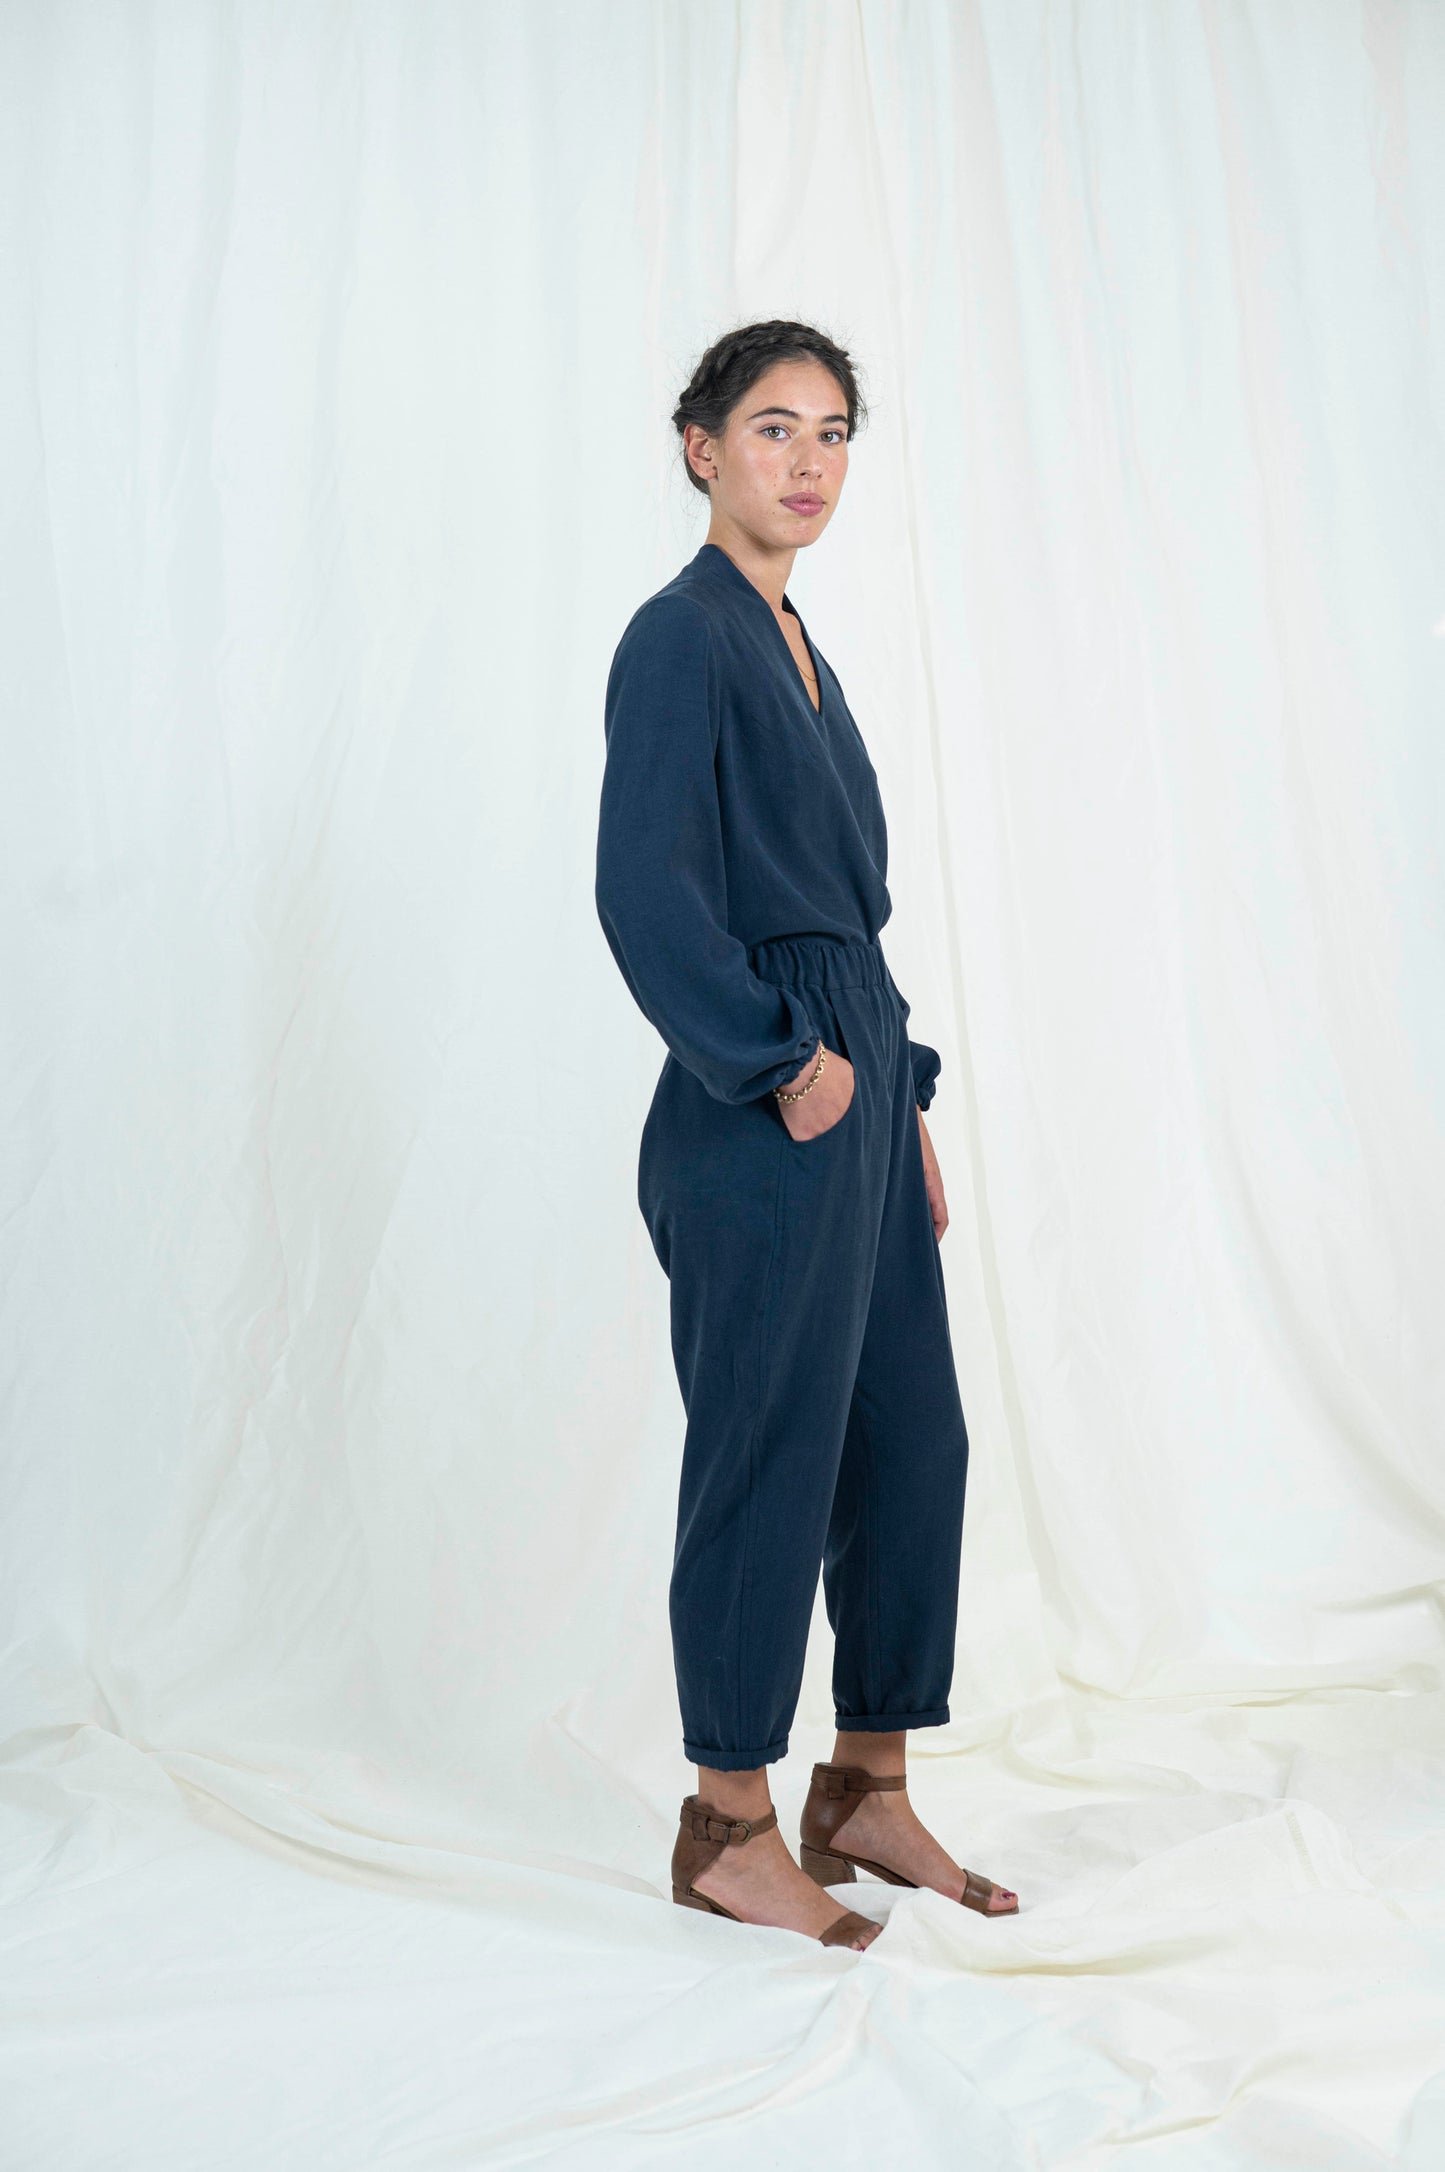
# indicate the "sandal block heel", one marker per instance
pixel 826 1869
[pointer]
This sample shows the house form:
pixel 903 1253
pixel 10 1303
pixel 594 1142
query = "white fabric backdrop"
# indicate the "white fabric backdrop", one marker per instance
pixel 342 1755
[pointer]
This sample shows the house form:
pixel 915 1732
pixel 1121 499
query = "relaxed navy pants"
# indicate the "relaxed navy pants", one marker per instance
pixel 824 1426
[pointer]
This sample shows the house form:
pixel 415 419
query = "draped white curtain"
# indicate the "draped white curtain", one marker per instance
pixel 342 1758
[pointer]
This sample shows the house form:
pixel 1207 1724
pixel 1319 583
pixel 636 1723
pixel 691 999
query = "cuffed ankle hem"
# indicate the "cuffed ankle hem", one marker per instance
pixel 889 1723
pixel 698 1753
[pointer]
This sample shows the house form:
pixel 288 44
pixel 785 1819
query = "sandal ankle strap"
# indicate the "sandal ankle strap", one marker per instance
pixel 706 1823
pixel 839 1780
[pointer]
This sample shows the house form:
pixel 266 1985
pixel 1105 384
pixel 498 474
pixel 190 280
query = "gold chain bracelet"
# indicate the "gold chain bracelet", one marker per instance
pixel 822 1059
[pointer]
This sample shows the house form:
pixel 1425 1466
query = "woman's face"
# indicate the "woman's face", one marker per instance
pixel 786 440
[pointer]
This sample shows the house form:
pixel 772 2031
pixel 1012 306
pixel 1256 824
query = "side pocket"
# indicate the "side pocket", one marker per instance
pixel 838 1036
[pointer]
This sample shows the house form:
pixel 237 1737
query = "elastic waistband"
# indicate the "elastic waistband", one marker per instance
pixel 820 961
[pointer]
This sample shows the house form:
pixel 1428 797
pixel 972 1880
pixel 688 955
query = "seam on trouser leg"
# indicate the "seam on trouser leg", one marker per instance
pixel 870 1575
pixel 699 1753
pixel 764 1322
pixel 875 1607
pixel 890 1723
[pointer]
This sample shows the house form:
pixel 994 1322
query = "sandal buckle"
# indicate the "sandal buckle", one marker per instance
pixel 707 1827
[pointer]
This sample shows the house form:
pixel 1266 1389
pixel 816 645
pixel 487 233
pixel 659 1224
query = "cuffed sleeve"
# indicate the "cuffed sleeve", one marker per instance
pixel 924 1062
pixel 927 1063
pixel 661 885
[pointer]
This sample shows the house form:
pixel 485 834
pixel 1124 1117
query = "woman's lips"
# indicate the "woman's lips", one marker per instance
pixel 804 503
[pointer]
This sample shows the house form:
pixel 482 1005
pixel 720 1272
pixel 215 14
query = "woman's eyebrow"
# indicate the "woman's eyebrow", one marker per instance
pixel 792 414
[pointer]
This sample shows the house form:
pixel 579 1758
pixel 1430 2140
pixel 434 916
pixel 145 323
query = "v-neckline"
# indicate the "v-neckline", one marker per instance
pixel 732 572
pixel 816 707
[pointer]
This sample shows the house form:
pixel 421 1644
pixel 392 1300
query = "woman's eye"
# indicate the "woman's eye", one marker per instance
pixel 835 434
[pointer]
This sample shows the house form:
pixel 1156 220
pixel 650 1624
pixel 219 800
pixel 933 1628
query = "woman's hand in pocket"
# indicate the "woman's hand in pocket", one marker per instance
pixel 828 1102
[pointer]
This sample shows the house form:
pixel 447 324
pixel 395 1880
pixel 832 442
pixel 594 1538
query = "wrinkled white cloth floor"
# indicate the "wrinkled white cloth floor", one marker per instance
pixel 1231 1953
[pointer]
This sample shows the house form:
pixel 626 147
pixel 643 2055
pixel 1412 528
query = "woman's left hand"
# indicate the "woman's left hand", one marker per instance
pixel 933 1179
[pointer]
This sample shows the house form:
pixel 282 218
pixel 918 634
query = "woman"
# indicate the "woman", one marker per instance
pixel 786 1174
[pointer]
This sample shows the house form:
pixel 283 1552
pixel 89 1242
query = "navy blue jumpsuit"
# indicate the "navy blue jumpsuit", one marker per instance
pixel 741 864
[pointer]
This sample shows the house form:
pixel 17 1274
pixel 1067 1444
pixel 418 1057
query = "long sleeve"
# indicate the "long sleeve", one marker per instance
pixel 661 885
pixel 925 1062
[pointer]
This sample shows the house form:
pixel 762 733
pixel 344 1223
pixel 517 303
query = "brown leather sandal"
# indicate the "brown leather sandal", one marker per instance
pixel 703 1833
pixel 827 1808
